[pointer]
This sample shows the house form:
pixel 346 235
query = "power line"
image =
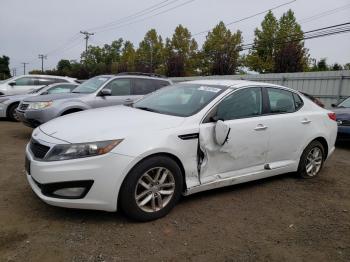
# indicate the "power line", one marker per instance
pixel 248 17
pixel 134 15
pixel 324 13
pixel 316 33
pixel 151 16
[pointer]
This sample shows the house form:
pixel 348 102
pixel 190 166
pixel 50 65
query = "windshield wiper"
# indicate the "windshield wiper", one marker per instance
pixel 147 109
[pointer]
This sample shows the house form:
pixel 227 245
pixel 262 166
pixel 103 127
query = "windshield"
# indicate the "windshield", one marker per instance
pixel 179 100
pixel 91 85
pixel 345 103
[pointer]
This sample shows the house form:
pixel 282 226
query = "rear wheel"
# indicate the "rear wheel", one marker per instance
pixel 151 189
pixel 11 113
pixel 311 161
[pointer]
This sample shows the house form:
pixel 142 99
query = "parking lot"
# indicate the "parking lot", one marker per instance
pixel 281 218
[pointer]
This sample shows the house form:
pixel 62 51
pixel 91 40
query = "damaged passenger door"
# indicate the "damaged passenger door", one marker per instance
pixel 233 137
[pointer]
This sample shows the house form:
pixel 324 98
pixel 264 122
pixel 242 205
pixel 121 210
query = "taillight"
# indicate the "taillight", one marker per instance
pixel 332 116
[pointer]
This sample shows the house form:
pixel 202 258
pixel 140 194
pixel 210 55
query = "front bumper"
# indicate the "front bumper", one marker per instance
pixel 343 133
pixel 106 172
pixel 3 109
pixel 34 118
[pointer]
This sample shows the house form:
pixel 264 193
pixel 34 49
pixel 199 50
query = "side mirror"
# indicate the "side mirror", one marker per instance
pixel 12 83
pixel 221 132
pixel 44 93
pixel 105 92
pixel 333 105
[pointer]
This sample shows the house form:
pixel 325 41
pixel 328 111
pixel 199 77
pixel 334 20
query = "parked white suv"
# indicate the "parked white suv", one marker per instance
pixel 181 139
pixel 19 85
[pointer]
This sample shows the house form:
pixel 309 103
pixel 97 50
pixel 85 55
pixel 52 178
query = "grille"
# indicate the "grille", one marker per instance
pixel 38 150
pixel 23 107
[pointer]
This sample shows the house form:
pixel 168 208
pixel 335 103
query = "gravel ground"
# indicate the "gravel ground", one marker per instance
pixel 277 219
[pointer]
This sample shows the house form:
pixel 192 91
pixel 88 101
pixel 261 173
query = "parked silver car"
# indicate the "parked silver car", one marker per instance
pixel 8 104
pixel 24 84
pixel 99 91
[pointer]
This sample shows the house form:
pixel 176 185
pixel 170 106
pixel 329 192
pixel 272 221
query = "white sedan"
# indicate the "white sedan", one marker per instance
pixel 180 140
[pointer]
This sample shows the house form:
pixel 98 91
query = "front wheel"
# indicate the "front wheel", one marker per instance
pixel 311 161
pixel 151 189
pixel 12 113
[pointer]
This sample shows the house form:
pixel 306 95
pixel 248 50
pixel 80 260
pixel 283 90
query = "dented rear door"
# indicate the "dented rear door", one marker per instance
pixel 246 149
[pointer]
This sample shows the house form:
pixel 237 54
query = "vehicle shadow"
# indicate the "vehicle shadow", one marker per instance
pixel 343 145
pixel 102 217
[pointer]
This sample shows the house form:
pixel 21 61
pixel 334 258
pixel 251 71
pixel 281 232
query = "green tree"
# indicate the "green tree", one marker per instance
pixel 4 67
pixel 127 60
pixel 221 50
pixel 181 53
pixel 64 67
pixel 261 57
pixel 347 66
pixel 290 53
pixel 149 55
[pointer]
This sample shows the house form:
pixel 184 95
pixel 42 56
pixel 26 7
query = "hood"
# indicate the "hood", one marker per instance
pixel 18 97
pixel 107 123
pixel 51 97
pixel 342 113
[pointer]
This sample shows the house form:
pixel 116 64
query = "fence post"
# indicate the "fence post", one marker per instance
pixel 340 88
pixel 283 79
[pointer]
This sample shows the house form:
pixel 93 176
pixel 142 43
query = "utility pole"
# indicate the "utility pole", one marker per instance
pixel 13 71
pixel 42 57
pixel 24 67
pixel 87 36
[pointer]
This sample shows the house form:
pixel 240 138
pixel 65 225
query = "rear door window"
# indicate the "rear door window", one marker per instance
pixel 119 87
pixel 281 101
pixel 144 86
pixel 298 101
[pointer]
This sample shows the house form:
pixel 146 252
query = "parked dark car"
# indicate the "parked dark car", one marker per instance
pixel 342 112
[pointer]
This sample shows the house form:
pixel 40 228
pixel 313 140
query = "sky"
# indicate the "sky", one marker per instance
pixel 29 28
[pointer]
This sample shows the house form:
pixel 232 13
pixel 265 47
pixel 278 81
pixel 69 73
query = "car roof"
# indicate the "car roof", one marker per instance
pixel 233 84
pixel 49 76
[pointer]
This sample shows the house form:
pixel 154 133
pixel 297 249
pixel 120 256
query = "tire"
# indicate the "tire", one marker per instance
pixel 312 159
pixel 159 198
pixel 11 113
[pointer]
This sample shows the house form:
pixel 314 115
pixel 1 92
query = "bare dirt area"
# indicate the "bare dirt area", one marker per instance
pixel 278 219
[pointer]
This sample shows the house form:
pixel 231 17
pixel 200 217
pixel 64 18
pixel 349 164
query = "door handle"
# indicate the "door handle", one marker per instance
pixel 306 121
pixel 128 100
pixel 260 127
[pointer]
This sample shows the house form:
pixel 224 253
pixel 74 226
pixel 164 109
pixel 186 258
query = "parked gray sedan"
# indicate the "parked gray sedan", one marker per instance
pixel 99 91
pixel 8 104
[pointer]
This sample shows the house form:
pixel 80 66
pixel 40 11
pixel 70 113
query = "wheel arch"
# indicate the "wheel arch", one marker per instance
pixel 67 111
pixel 323 142
pixel 9 107
pixel 167 154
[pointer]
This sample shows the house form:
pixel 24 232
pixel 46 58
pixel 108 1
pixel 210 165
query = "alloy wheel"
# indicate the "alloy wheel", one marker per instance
pixel 313 161
pixel 154 189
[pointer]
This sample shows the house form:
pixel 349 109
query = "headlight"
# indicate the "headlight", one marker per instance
pixel 72 151
pixel 3 99
pixel 39 105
